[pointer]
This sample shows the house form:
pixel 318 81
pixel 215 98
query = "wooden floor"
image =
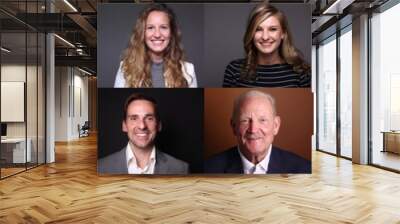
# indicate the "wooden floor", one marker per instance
pixel 69 191
pixel 5 172
pixel 10 171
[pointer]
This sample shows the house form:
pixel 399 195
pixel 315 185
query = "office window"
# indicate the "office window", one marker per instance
pixel 345 92
pixel 385 88
pixel 327 95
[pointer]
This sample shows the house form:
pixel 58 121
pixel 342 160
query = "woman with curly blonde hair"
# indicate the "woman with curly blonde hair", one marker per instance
pixel 155 57
pixel 271 59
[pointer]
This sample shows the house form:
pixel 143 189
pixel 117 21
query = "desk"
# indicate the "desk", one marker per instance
pixel 391 141
pixel 16 147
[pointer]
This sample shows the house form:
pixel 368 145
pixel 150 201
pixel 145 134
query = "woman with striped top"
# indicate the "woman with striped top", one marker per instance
pixel 271 59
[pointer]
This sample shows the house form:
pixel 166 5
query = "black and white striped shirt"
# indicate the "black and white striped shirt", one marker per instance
pixel 278 75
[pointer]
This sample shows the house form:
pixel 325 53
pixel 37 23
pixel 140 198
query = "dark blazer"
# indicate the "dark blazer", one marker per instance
pixel 115 163
pixel 281 161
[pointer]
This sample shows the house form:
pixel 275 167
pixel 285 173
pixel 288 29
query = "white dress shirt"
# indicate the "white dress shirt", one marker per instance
pixel 259 168
pixel 133 167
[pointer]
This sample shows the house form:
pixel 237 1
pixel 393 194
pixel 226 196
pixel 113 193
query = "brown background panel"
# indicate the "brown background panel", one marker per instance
pixel 294 106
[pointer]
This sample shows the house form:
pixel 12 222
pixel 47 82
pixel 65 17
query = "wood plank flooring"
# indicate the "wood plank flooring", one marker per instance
pixel 9 171
pixel 70 191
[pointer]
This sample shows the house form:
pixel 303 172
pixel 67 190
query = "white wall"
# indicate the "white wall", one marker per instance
pixel 81 103
pixel 71 102
pixel 61 103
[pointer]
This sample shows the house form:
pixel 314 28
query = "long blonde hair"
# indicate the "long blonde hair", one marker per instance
pixel 287 50
pixel 136 61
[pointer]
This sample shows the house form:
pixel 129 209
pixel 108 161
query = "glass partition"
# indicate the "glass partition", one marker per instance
pixel 31 99
pixel 41 91
pixel 346 92
pixel 22 89
pixel 13 89
pixel 326 95
pixel 385 89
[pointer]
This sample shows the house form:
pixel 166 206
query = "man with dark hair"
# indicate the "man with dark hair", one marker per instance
pixel 255 124
pixel 141 122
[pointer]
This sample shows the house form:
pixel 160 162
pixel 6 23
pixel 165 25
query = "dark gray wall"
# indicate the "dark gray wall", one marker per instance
pixel 225 25
pixel 115 26
pixel 212 35
pixel 181 114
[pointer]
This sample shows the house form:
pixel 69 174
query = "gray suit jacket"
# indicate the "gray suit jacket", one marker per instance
pixel 115 163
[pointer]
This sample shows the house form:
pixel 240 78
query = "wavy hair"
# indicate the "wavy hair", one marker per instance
pixel 136 61
pixel 287 50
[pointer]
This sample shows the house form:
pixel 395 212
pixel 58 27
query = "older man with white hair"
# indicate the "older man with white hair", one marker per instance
pixel 255 123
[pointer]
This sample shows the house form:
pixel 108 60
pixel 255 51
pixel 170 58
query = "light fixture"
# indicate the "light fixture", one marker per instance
pixel 65 41
pixel 5 50
pixel 337 7
pixel 70 5
pixel 84 71
pixel 80 51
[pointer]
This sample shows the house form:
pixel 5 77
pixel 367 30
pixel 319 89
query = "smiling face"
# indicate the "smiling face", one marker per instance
pixel 255 126
pixel 141 124
pixel 157 33
pixel 268 37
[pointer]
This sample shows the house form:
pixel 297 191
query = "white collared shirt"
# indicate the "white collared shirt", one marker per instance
pixel 259 168
pixel 131 162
